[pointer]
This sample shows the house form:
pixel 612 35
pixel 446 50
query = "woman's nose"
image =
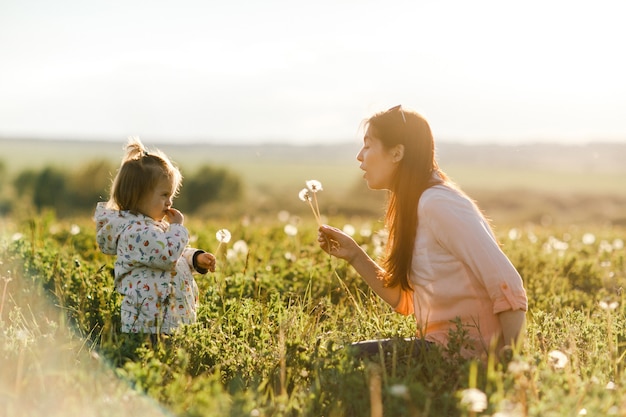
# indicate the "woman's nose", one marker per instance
pixel 359 156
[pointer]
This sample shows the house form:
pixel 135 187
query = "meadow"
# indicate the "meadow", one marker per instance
pixel 276 316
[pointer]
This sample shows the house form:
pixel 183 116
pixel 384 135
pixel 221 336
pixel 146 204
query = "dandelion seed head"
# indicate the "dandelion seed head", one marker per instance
pixel 608 306
pixel 283 216
pixel 365 231
pixel 399 390
pixel 618 244
pixel 223 236
pixel 240 247
pixel 589 238
pixel 349 229
pixel 74 229
pixel 290 230
pixel 514 234
pixel 314 186
pixel 474 399
pixel 518 367
pixel 16 237
pixel 582 412
pixel 558 359
pixel 605 246
pixel 611 386
pixel 304 195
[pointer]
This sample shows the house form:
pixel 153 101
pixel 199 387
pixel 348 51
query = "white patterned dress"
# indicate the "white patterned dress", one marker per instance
pixel 153 270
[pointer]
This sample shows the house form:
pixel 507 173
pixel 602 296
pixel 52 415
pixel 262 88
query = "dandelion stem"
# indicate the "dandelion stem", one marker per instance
pixel 318 216
pixel 315 213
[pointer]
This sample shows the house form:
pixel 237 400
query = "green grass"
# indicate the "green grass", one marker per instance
pixel 272 324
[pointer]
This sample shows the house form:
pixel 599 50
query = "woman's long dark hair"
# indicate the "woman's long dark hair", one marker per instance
pixel 414 174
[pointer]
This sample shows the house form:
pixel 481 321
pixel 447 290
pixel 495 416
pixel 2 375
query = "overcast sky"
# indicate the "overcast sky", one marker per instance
pixel 308 72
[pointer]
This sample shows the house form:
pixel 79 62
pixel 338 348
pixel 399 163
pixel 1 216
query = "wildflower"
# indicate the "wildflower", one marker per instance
pixel 240 247
pixel 314 185
pixel 399 390
pixel 223 236
pixel 610 386
pixel 518 367
pixel 589 238
pixel 474 399
pixel 309 195
pixel 349 229
pixel 608 306
pixel 558 359
pixel 605 246
pixel 283 215
pixel 582 412
pixel 514 234
pixel 291 230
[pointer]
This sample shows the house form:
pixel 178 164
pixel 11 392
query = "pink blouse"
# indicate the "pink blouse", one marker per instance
pixel 459 271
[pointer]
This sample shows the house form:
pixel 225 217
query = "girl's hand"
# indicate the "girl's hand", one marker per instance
pixel 174 216
pixel 206 261
pixel 337 243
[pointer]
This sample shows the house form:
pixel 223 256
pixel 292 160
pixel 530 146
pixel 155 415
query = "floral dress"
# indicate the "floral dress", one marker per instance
pixel 153 270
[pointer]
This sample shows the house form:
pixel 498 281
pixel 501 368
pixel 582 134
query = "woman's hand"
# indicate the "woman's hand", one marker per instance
pixel 337 243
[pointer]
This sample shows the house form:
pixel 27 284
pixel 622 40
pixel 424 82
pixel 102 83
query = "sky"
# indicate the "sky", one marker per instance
pixel 310 72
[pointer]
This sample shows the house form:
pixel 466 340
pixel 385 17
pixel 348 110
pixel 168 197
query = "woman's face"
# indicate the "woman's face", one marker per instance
pixel 378 162
pixel 155 203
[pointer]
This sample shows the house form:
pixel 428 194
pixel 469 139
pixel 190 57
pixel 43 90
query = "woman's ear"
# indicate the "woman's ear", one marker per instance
pixel 397 153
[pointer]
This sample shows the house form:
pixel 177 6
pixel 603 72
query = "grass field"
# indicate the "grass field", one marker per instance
pixel 275 317
pixel 273 321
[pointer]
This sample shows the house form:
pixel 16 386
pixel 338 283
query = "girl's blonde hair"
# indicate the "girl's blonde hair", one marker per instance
pixel 139 173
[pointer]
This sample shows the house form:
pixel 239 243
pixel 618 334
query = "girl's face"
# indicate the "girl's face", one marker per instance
pixel 155 203
pixel 378 162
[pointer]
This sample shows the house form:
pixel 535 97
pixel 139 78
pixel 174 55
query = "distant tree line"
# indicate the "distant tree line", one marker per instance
pixel 77 191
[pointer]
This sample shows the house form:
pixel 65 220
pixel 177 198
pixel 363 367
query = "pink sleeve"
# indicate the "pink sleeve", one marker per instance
pixel 405 305
pixel 459 227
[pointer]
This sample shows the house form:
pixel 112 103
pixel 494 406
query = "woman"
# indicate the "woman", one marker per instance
pixel 442 261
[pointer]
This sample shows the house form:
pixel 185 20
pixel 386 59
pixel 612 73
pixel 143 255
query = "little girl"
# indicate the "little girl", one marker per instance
pixel 154 265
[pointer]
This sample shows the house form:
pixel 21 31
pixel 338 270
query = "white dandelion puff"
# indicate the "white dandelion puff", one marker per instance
pixel 558 359
pixel 349 229
pixel 314 185
pixel 589 238
pixel 399 390
pixel 240 247
pixel 223 236
pixel 309 195
pixel 514 234
pixel 290 230
pixel 304 195
pixel 283 216
pixel 518 367
pixel 608 306
pixel 474 399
